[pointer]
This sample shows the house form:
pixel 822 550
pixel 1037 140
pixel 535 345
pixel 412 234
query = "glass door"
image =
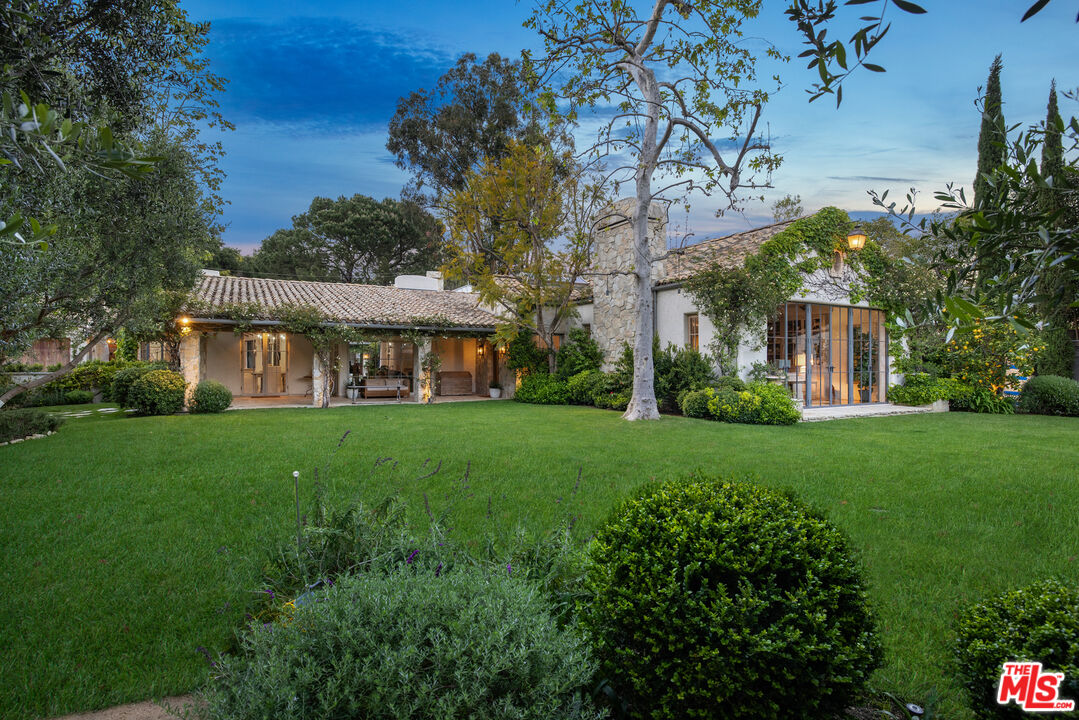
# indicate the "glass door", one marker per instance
pixel 263 363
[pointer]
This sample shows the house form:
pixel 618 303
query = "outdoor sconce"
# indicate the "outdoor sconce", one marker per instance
pixel 856 239
pixel 185 320
pixel 481 349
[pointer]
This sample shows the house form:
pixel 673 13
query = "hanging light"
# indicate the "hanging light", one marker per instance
pixel 856 239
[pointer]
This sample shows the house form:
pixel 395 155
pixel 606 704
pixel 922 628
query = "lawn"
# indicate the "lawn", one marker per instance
pixel 130 543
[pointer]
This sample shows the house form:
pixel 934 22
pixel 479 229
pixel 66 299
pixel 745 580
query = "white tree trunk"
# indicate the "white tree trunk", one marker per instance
pixel 642 404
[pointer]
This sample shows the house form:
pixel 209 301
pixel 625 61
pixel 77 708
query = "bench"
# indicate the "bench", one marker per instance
pixel 384 387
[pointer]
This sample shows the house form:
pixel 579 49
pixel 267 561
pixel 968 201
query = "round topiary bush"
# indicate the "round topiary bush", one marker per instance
pixel 210 396
pixel 715 599
pixel 158 392
pixel 79 397
pixel 1037 623
pixel 1050 395
pixel 694 403
pixel 409 644
pixel 122 381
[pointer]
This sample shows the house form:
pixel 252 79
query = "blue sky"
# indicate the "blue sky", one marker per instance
pixel 312 87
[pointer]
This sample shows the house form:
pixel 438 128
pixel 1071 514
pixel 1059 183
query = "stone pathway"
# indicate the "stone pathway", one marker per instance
pixel 146 710
pixel 846 412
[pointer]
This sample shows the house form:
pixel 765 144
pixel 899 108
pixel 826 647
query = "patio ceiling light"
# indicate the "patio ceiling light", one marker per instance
pixel 856 239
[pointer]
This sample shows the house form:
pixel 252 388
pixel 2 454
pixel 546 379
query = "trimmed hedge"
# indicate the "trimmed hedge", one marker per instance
pixel 922 389
pixel 210 396
pixel 758 404
pixel 694 403
pixel 17 424
pixel 581 387
pixel 541 389
pixel 717 599
pixel 1038 623
pixel 454 643
pixel 79 397
pixel 158 392
pixel 123 380
pixel 1050 395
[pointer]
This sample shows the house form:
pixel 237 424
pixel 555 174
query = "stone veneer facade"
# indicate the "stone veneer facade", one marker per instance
pixel 614 299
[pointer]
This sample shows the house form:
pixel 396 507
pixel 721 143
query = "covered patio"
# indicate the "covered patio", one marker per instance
pixel 396 332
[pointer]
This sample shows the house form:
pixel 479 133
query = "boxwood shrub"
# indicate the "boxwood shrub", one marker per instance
pixel 123 380
pixel 415 644
pixel 158 392
pixel 1050 395
pixel 758 404
pixel 581 387
pixel 694 403
pixel 210 396
pixel 79 397
pixel 17 424
pixel 541 389
pixel 718 599
pixel 1037 623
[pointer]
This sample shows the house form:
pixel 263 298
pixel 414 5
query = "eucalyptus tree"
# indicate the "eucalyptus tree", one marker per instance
pixel 671 80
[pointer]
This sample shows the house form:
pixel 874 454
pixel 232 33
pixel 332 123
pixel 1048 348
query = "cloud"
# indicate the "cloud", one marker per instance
pixel 314 73
pixel 872 178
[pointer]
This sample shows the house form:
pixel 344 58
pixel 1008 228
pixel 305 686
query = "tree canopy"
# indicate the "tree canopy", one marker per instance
pixel 352 239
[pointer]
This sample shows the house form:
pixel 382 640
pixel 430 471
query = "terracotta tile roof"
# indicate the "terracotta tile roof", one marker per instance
pixel 581 289
pixel 728 251
pixel 346 302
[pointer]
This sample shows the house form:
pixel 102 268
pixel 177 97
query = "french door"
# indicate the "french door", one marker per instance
pixel 831 355
pixel 264 364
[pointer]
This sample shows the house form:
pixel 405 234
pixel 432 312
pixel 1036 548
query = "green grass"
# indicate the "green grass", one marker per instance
pixel 129 542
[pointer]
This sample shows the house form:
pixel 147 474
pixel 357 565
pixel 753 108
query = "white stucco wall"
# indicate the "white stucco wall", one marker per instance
pixel 223 359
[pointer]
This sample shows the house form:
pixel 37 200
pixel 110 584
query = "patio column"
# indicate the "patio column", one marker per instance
pixel 191 361
pixel 317 370
pixel 423 349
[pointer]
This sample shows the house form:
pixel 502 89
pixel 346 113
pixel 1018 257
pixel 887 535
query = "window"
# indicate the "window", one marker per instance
pixel 587 329
pixel 692 331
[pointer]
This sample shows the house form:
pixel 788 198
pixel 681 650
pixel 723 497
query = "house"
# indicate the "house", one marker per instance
pixel 254 357
pixel 830 349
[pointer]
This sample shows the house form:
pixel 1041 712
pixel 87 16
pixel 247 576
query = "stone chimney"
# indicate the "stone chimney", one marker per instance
pixel 614 304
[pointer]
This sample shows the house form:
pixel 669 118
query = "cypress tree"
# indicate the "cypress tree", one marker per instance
pixel 992 140
pixel 1052 148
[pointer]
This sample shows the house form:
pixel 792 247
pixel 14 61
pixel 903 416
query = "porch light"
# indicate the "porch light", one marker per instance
pixel 480 349
pixel 185 320
pixel 856 239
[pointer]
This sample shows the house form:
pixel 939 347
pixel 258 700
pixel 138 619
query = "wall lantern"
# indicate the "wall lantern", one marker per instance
pixel 185 320
pixel 856 239
pixel 481 348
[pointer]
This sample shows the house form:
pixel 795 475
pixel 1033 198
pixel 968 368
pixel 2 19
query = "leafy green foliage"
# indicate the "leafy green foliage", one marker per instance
pixel 923 389
pixel 124 378
pixel 1050 395
pixel 758 404
pixel 1037 623
pixel 381 645
pixel 15 424
pixel 1057 354
pixel 720 599
pixel 980 399
pixel 579 353
pixel 522 353
pixel 694 403
pixel 210 396
pixel 79 397
pixel 993 136
pixel 541 389
pixel 352 239
pixel 157 392
pixel 582 387
pixel 739 299
pixel 678 369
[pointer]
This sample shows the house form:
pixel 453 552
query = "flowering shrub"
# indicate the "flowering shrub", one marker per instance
pixel 984 355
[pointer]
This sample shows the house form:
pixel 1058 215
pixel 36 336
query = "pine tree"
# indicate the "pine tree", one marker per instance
pixel 992 140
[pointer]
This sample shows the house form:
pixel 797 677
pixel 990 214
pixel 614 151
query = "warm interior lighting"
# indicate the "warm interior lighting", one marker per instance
pixel 856 239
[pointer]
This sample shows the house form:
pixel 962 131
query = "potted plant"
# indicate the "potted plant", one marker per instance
pixel 863 366
pixel 495 389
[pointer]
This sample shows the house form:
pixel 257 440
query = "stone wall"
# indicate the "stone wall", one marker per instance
pixel 614 286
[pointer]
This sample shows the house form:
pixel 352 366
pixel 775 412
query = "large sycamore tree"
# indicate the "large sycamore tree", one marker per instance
pixel 670 78
pixel 521 231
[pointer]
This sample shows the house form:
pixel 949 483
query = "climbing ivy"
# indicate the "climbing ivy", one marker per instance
pixel 743 297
